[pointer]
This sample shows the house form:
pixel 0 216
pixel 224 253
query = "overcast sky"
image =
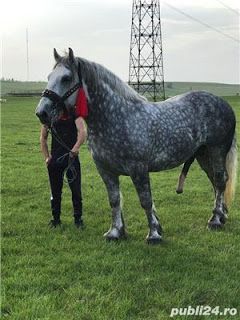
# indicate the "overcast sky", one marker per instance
pixel 100 31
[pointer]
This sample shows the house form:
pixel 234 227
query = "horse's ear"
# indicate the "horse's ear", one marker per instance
pixel 71 55
pixel 56 55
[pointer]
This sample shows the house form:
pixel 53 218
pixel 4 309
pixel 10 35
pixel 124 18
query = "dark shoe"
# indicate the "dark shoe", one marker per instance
pixel 78 222
pixel 54 223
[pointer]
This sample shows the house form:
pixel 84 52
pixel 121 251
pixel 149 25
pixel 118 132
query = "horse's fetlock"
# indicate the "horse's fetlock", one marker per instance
pixel 218 212
pixel 220 178
pixel 114 200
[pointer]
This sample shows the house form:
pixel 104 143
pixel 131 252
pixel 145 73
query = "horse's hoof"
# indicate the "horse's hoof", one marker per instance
pixel 217 220
pixel 223 219
pixel 111 239
pixel 115 234
pixel 155 238
pixel 214 226
pixel 154 241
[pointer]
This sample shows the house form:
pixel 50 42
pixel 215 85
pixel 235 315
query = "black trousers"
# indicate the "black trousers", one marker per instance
pixel 56 176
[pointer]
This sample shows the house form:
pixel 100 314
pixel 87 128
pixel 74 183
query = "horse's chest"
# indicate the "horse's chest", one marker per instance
pixel 110 154
pixel 104 150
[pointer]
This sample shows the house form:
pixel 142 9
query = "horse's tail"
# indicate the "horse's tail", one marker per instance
pixel 231 166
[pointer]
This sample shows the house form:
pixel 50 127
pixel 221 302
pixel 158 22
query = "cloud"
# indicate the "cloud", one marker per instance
pixel 216 17
pixel 195 52
pixel 100 31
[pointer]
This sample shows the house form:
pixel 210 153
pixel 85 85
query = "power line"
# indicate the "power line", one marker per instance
pixel 202 23
pixel 229 8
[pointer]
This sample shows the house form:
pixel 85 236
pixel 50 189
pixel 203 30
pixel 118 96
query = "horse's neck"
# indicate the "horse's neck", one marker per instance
pixel 107 94
pixel 103 98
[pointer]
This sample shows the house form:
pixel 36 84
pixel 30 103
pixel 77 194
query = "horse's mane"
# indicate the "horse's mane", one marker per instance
pixel 95 72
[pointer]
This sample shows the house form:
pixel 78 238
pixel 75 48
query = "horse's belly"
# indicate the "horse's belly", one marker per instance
pixel 160 165
pixel 172 152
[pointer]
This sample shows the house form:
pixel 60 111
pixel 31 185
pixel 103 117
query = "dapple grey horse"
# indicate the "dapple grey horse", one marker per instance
pixel 131 136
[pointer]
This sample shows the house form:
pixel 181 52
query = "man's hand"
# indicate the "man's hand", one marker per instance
pixel 44 145
pixel 74 152
pixel 48 160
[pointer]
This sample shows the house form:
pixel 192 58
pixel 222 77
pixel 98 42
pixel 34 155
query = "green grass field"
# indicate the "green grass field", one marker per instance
pixel 67 274
pixel 171 88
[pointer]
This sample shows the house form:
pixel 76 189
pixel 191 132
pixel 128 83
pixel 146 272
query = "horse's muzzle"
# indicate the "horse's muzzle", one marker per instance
pixel 43 117
pixel 42 112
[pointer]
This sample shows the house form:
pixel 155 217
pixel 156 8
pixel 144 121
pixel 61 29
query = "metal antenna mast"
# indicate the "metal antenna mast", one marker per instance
pixel 27 54
pixel 146 59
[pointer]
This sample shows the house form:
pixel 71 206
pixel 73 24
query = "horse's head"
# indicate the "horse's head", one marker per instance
pixel 61 91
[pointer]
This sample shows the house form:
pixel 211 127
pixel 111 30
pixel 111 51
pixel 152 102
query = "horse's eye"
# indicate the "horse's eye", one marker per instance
pixel 66 78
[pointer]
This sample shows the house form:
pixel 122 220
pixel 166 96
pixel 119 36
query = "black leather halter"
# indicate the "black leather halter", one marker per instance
pixel 57 100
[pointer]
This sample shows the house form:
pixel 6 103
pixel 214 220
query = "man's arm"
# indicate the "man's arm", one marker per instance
pixel 82 134
pixel 44 145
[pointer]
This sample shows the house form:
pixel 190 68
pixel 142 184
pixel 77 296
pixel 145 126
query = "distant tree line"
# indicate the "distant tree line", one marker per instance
pixel 7 79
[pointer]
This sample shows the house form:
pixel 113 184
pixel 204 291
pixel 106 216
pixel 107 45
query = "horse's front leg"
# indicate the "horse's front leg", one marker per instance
pixel 117 229
pixel 142 184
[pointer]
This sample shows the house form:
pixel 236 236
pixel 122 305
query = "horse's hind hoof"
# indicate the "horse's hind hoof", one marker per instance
pixel 214 226
pixel 223 218
pixel 217 221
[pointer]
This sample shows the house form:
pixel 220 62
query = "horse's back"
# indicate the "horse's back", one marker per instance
pixel 184 123
pixel 201 110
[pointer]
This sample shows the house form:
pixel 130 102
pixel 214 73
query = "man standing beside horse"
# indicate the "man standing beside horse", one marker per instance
pixel 68 134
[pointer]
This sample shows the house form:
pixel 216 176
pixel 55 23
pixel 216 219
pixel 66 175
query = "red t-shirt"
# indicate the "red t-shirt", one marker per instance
pixel 81 104
pixel 81 108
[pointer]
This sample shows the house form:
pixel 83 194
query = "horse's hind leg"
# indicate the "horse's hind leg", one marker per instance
pixel 203 158
pixel 183 174
pixel 218 157
pixel 142 184
pixel 212 161
pixel 117 229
